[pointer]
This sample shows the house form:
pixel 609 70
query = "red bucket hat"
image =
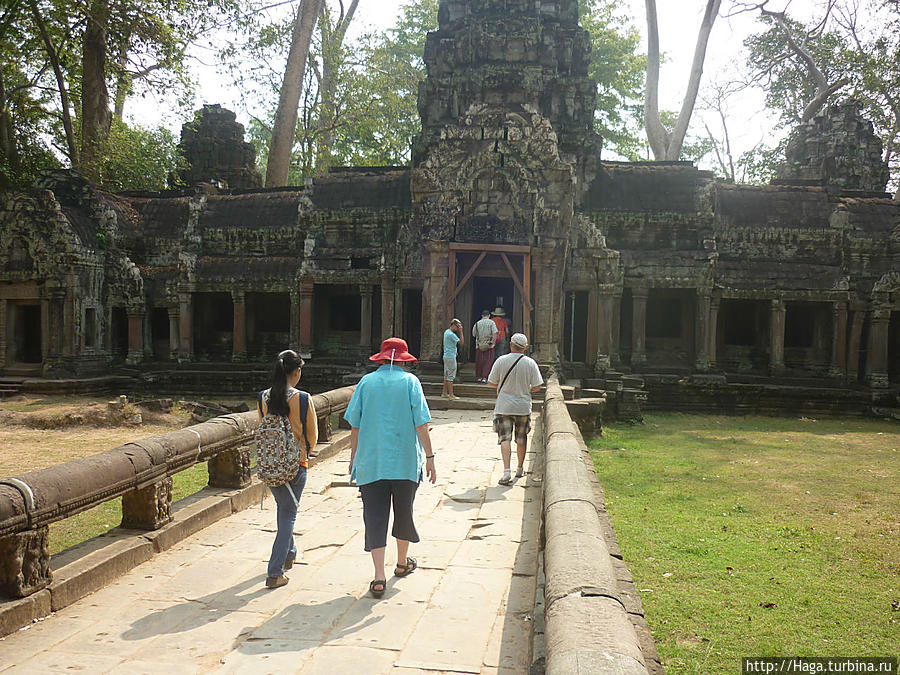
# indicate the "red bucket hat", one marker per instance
pixel 394 349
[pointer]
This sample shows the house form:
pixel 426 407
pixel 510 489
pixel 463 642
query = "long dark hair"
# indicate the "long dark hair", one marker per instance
pixel 287 362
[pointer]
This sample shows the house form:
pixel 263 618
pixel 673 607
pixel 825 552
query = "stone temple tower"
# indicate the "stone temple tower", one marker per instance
pixel 507 149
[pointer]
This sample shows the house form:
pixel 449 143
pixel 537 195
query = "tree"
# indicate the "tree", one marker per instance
pixel 841 58
pixel 618 68
pixel 284 127
pixel 666 145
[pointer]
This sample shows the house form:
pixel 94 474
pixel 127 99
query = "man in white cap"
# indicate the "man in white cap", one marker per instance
pixel 515 376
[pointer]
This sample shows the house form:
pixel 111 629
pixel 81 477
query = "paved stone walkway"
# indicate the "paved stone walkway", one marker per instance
pixel 202 606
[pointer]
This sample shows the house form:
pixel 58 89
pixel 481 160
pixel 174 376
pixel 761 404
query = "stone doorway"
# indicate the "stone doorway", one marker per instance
pixel 500 275
pixel 26 344
pixel 575 321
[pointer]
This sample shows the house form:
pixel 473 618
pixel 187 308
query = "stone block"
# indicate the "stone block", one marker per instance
pixel 20 612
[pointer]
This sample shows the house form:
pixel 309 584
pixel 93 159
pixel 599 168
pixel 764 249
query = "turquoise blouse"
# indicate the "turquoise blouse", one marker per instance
pixel 386 407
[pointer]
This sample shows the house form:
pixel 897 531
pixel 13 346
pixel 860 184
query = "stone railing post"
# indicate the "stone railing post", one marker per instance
pixel 230 469
pixel 25 562
pixel 148 508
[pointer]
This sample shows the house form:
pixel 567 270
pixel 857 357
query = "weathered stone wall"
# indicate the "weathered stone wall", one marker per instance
pixel 214 151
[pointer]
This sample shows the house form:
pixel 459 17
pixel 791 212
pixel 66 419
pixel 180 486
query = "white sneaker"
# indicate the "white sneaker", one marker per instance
pixel 445 395
pixel 520 472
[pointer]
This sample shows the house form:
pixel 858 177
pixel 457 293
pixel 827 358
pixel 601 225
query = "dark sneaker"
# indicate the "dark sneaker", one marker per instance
pixel 276 582
pixel 506 479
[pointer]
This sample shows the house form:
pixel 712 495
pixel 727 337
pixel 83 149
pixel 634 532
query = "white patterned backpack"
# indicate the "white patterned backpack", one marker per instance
pixel 277 455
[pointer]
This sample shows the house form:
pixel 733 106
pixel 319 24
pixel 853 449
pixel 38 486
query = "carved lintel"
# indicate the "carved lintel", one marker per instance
pixel 230 469
pixel 148 508
pixel 25 562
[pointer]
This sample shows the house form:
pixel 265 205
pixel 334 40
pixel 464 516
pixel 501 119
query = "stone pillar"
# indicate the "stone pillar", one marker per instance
pixel 854 343
pixel 148 508
pixel 838 367
pixel 387 309
pixel 639 326
pixel 3 343
pixel 25 562
pixel 230 469
pixel 701 339
pixel 55 324
pixel 173 333
pixel 294 335
pixel 713 337
pixel 604 330
pixel 615 327
pixel 776 337
pixel 365 321
pixel 186 326
pixel 304 314
pixel 435 316
pixel 239 339
pixel 876 364
pixel 135 336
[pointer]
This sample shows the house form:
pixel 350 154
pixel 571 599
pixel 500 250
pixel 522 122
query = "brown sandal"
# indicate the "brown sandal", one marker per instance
pixel 407 568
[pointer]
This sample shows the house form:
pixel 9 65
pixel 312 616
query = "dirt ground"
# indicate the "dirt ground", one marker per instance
pixel 37 432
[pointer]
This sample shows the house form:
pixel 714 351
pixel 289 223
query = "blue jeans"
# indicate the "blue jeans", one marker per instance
pixel 283 547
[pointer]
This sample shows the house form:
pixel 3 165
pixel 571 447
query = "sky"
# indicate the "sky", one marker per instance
pixel 679 21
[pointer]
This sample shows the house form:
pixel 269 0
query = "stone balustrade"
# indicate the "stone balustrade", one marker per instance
pixel 588 627
pixel 140 472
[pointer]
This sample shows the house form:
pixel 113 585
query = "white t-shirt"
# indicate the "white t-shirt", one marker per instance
pixel 515 397
pixel 483 331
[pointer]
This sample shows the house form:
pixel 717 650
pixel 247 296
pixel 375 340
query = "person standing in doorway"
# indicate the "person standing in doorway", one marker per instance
pixel 485 333
pixel 502 344
pixel 515 376
pixel 452 340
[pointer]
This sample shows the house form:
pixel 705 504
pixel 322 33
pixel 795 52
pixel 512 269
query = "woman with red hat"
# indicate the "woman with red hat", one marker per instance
pixel 390 453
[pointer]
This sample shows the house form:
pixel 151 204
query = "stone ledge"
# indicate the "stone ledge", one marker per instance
pixel 20 612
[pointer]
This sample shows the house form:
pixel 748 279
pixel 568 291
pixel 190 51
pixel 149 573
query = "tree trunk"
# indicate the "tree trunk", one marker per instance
pixel 666 145
pixel 9 154
pixel 95 114
pixel 123 81
pixel 285 126
pixel 66 107
pixel 331 51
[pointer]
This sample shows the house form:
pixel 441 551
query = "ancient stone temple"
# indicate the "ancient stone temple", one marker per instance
pixel 654 270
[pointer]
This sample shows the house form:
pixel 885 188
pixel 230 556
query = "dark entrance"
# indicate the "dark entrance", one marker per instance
pixel 412 319
pixel 27 334
pixel 159 333
pixel 213 326
pixel 489 293
pixel 894 348
pixel 575 321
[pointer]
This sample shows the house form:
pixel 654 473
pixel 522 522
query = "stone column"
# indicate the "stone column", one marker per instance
pixel 603 327
pixel 305 317
pixel 615 327
pixel 701 339
pixel 186 326
pixel 294 336
pixel 639 326
pixel 876 370
pixel 854 343
pixel 776 337
pixel 55 324
pixel 387 309
pixel 148 508
pixel 838 367
pixel 435 316
pixel 365 320
pixel 135 336
pixel 713 336
pixel 239 339
pixel 3 343
pixel 173 333
pixel 25 562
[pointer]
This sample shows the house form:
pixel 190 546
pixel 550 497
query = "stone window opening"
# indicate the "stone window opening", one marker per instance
pixel 807 336
pixel 159 333
pixel 118 333
pixel 268 324
pixel 742 335
pixel 213 326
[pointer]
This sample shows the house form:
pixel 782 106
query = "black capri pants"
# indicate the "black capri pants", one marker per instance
pixel 377 498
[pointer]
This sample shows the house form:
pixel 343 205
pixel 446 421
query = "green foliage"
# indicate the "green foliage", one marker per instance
pixel 618 69
pixel 756 536
pixel 139 158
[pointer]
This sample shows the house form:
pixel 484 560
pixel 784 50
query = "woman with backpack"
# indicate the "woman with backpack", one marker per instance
pixel 390 454
pixel 282 405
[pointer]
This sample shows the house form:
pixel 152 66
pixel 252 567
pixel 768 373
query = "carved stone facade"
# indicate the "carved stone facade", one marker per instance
pixel 617 271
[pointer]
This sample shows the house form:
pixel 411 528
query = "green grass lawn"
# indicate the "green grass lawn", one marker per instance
pixel 751 536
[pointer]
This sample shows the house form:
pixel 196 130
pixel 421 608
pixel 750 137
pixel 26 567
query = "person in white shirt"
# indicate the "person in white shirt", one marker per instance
pixel 515 376
pixel 485 333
